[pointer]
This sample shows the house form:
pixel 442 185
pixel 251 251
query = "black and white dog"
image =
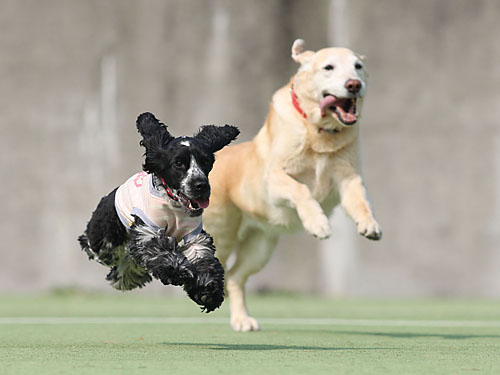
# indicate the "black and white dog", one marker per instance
pixel 151 225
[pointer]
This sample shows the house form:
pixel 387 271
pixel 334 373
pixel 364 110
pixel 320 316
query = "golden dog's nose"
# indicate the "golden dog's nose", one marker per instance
pixel 353 85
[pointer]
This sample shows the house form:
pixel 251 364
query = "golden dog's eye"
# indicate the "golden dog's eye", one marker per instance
pixel 328 67
pixel 358 65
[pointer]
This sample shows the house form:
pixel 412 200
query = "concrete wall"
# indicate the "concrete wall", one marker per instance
pixel 431 135
pixel 75 75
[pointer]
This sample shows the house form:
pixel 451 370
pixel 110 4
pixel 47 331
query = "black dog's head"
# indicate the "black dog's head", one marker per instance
pixel 182 164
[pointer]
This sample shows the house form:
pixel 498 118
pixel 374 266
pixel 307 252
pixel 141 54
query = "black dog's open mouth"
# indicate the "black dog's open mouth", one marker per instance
pixel 193 205
pixel 343 108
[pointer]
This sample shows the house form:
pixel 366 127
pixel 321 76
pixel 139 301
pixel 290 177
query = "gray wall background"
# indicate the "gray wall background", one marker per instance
pixel 75 74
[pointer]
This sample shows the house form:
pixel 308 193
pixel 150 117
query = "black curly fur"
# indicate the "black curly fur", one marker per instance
pixel 138 253
pixel 159 254
pixel 215 137
pixel 104 230
pixel 207 288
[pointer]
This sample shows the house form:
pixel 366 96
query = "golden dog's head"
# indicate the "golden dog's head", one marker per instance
pixel 330 85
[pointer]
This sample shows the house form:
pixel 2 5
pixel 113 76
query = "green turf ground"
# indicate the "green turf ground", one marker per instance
pixel 358 336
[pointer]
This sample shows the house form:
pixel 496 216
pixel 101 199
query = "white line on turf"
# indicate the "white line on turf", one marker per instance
pixel 277 321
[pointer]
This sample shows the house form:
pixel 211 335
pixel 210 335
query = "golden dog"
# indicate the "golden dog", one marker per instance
pixel 301 164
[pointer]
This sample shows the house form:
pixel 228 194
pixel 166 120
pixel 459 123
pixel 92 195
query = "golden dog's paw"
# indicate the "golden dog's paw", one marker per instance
pixel 244 323
pixel 319 227
pixel 370 229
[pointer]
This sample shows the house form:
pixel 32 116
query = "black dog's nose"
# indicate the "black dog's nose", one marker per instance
pixel 353 85
pixel 201 186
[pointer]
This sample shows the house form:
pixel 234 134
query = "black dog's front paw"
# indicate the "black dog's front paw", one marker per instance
pixel 209 297
pixel 207 288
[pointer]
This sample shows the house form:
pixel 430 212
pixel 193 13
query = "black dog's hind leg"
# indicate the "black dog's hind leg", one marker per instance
pixel 158 254
pixel 104 240
pixel 104 231
pixel 207 287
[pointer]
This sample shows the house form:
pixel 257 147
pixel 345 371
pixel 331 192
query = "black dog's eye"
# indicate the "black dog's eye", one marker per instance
pixel 358 65
pixel 328 67
pixel 179 164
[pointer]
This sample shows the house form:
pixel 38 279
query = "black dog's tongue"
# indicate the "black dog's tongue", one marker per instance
pixel 202 203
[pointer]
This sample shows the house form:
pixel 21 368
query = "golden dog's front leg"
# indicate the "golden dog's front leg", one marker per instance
pixel 353 196
pixel 355 202
pixel 283 187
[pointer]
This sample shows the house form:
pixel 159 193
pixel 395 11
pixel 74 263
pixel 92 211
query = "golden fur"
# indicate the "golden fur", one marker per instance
pixel 291 175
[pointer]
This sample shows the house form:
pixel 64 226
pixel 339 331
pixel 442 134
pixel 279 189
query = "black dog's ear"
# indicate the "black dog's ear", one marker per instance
pixel 155 138
pixel 156 159
pixel 216 137
pixel 153 131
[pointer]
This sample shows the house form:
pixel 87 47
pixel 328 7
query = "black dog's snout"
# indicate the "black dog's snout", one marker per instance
pixel 201 186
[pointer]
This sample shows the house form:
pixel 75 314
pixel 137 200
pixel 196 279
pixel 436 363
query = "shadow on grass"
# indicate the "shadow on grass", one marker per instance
pixel 248 347
pixel 409 335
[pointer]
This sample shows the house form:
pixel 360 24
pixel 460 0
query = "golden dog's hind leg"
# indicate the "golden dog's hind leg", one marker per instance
pixel 252 255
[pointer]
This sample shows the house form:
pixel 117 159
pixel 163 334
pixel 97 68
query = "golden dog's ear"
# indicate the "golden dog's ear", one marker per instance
pixel 363 59
pixel 299 54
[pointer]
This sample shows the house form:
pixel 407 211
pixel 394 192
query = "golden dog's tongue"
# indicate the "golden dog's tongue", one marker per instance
pixel 327 101
pixel 345 108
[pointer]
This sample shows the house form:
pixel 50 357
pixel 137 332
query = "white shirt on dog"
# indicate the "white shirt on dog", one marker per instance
pixel 138 196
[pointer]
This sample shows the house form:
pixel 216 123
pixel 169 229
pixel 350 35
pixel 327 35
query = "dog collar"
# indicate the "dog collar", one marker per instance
pixel 169 192
pixel 295 102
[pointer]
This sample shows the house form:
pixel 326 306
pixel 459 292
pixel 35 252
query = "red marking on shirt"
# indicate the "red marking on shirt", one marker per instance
pixel 139 179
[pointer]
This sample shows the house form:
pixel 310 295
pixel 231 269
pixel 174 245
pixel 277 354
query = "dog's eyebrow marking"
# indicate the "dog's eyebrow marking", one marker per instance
pixel 185 143
pixel 192 173
pixel 194 169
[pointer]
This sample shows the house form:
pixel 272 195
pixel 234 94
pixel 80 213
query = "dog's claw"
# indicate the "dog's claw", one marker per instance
pixel 370 229
pixel 319 228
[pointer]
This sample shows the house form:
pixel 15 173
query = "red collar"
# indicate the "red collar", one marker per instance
pixel 295 102
pixel 169 192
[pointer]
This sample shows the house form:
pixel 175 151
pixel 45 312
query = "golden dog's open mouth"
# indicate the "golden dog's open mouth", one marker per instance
pixel 343 108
